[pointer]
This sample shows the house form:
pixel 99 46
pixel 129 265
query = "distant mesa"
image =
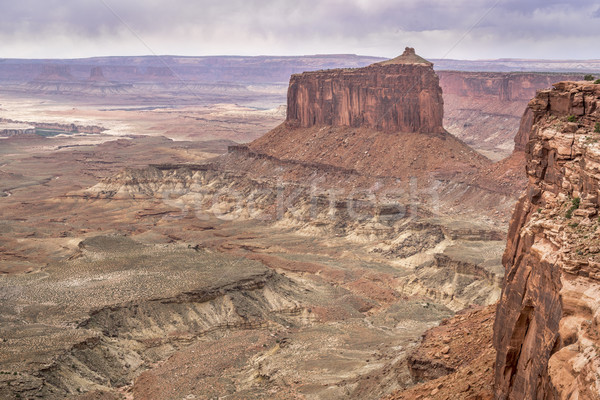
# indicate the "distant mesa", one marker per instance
pixel 401 95
pixel 156 72
pixel 97 75
pixel 57 78
pixel 55 72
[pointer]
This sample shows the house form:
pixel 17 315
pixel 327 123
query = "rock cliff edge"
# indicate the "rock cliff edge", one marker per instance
pixel 547 326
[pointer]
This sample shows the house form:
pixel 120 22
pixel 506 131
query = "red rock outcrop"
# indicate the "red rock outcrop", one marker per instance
pixel 547 326
pixel 400 95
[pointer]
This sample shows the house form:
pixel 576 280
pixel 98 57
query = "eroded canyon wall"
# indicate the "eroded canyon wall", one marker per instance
pixel 400 95
pixel 484 108
pixel 501 86
pixel 546 330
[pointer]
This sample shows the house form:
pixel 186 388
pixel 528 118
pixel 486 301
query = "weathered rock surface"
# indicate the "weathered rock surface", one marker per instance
pixel 399 95
pixel 546 329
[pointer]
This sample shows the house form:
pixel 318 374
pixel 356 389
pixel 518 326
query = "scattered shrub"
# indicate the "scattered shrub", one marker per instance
pixel 569 214
pixel 597 127
pixel 597 81
pixel 574 206
pixel 571 118
pixel 588 77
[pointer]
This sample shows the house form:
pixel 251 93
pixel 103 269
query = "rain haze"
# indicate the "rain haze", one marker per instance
pixel 460 29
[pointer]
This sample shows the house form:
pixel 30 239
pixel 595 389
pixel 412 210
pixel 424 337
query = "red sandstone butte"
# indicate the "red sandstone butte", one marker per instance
pixel 402 94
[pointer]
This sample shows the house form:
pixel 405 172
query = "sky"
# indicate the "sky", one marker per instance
pixel 456 29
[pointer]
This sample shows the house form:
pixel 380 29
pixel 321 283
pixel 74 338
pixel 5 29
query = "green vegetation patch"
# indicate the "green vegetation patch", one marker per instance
pixel 574 206
pixel 51 132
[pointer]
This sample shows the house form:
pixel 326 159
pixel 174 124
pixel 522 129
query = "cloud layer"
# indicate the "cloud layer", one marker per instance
pixel 437 28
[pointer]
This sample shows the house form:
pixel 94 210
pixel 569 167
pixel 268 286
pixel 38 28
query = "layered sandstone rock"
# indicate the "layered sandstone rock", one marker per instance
pixel 546 330
pixel 401 95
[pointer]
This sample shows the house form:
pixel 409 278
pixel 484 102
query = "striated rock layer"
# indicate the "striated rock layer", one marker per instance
pixel 402 95
pixel 547 324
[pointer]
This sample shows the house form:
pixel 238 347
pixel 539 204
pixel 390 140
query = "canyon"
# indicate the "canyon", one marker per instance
pixel 544 333
pixel 348 252
pixel 484 109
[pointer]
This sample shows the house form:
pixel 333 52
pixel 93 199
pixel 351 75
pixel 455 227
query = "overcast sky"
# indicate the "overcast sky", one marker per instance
pixel 462 29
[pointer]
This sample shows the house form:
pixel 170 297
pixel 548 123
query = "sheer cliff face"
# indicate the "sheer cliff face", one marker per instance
pixel 547 323
pixel 399 97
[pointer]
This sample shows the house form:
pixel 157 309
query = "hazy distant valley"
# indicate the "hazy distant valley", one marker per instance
pixel 167 230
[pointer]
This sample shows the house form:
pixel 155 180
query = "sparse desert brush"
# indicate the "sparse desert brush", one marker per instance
pixel 588 77
pixel 574 206
pixel 597 127
pixel 597 81
pixel 571 118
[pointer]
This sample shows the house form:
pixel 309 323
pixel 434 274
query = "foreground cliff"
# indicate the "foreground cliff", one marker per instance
pixel 546 330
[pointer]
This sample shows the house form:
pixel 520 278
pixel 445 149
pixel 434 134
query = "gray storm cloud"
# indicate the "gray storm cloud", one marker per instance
pixel 294 27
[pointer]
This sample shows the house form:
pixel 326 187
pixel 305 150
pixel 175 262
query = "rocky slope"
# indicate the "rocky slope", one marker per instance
pixel 455 360
pixel 399 95
pixel 546 329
